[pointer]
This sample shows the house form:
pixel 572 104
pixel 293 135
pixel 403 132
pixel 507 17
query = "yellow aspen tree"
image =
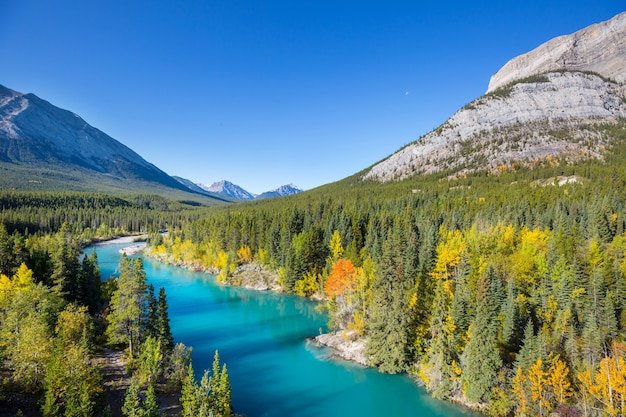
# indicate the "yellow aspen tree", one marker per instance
pixel 244 255
pixel 608 385
pixel 519 391
pixel 450 253
pixel 558 379
pixel 538 392
pixel 263 257
pixel 23 278
pixel 6 288
pixel 336 250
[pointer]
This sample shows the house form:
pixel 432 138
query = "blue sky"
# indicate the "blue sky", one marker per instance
pixel 265 93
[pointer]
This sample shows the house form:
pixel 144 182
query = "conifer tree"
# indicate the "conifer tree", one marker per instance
pixel 150 405
pixel 531 349
pixel 128 305
pixel 132 400
pixel 164 332
pixel 188 397
pixel 482 359
pixel 152 327
pixel 388 343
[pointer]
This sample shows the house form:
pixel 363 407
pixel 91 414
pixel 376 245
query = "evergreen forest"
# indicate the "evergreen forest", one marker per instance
pixel 503 291
pixel 62 324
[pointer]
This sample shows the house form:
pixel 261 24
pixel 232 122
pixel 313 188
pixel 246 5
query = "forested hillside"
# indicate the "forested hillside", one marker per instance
pixel 503 291
pixel 61 322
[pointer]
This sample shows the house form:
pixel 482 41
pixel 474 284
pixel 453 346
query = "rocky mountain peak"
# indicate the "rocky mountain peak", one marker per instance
pixel 529 115
pixel 600 48
pixel 37 137
pixel 228 189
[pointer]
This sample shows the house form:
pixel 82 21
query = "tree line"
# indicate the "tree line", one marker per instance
pixel 91 215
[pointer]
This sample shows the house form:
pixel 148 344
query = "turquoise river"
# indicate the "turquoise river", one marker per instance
pixel 262 338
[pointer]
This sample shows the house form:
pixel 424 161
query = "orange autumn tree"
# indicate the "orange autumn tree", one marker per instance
pixel 342 277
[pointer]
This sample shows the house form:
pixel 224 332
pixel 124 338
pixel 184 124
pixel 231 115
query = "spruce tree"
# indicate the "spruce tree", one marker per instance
pixel 188 397
pixel 152 313
pixel 164 332
pixel 151 405
pixel 531 349
pixel 482 358
pixel 132 401
pixel 128 305
pixel 388 343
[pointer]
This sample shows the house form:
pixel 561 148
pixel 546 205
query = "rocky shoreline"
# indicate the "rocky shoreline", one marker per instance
pixel 347 345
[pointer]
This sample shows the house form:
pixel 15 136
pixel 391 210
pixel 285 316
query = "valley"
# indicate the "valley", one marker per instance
pixel 483 264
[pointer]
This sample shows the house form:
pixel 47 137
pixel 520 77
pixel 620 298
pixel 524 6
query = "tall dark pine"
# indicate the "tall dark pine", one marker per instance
pixel 88 283
pixel 163 322
pixel 482 358
pixel 152 313
pixel 6 252
pixel 388 344
pixel 65 264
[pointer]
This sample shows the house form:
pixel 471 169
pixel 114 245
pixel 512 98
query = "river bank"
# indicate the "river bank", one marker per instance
pixel 267 337
pixel 140 243
pixel 347 345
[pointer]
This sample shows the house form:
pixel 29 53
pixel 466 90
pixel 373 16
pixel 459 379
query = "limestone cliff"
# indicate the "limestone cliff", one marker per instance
pixel 600 48
pixel 529 114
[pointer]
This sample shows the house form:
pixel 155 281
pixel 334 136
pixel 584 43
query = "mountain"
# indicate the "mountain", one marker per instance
pixel 599 48
pixel 45 147
pixel 228 189
pixel 281 191
pixel 551 103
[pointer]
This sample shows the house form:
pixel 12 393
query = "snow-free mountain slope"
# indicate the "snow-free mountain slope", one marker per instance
pixel 557 114
pixel 599 48
pixel 45 147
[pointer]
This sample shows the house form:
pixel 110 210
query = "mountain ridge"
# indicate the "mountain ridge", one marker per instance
pixel 231 190
pixel 599 48
pixel 551 115
pixel 45 147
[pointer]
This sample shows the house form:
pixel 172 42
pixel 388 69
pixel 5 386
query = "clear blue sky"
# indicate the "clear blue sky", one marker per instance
pixel 265 93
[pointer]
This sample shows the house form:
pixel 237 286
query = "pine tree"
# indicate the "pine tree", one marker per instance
pixel 219 397
pixel 152 327
pixel 531 349
pixel 128 305
pixel 188 397
pixel 163 323
pixel 388 344
pixel 482 358
pixel 132 401
pixel 151 405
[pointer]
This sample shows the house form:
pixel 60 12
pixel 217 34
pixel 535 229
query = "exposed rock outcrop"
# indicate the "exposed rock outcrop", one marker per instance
pixel 600 48
pixel 553 115
pixel 347 345
pixel 548 103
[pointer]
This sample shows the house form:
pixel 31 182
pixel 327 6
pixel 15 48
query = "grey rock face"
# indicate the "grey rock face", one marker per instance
pixel 35 133
pixel 600 48
pixel 524 123
pixel 539 105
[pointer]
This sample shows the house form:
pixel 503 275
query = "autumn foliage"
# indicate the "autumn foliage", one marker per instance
pixel 342 277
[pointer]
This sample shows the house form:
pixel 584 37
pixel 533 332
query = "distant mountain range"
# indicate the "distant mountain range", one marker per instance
pixel 228 189
pixel 43 147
